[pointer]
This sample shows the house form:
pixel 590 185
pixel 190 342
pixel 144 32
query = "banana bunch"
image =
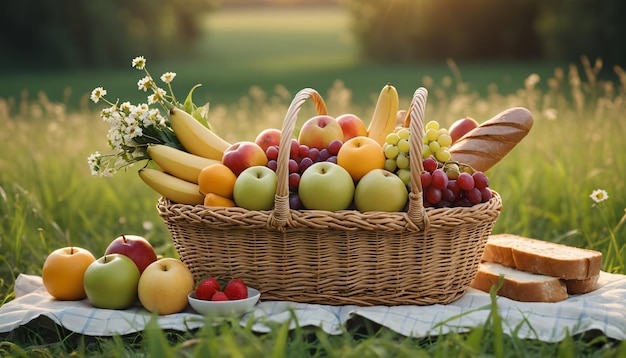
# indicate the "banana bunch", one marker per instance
pixel 196 138
pixel 384 118
pixel 171 187
pixel 177 176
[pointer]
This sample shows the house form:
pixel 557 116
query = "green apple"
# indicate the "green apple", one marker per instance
pixel 326 186
pixel 380 190
pixel 111 282
pixel 255 188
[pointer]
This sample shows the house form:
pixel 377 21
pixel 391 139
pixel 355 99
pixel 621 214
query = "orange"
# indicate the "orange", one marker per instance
pixel 63 273
pixel 212 199
pixel 360 155
pixel 218 179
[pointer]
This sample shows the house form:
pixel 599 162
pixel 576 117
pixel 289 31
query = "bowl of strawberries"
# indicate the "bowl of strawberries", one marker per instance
pixel 236 298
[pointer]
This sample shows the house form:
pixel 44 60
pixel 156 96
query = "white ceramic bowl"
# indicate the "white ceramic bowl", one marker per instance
pixel 224 308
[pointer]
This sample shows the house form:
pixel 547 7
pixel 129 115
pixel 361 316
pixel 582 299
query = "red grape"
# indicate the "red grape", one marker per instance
pixel 293 166
pixel 480 180
pixel 448 195
pixel 294 201
pixel 324 154
pixel 303 151
pixel 294 150
pixel 430 165
pixel 272 152
pixel 294 181
pixel 462 202
pixel 426 179
pixel 454 186
pixel 473 196
pixel 486 194
pixel 334 146
pixel 465 181
pixel 304 164
pixel 432 195
pixel 272 164
pixel 314 154
pixel 332 159
pixel 440 179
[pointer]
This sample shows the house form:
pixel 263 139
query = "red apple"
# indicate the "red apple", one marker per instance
pixel 243 155
pixel 268 137
pixel 136 248
pixel 460 127
pixel 319 131
pixel 352 126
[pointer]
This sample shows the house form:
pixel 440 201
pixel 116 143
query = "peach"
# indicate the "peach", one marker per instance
pixel 460 127
pixel 352 126
pixel 218 179
pixel 63 273
pixel 268 137
pixel 360 155
pixel 242 155
pixel 319 131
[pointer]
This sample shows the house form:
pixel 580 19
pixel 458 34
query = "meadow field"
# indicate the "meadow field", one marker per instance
pixel 250 65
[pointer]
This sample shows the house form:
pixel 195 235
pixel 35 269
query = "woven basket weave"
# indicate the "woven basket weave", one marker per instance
pixel 418 257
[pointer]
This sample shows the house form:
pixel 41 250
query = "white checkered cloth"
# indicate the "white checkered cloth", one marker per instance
pixel 602 310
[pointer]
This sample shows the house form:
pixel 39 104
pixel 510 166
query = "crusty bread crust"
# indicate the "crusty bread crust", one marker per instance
pixel 575 287
pixel 484 146
pixel 543 257
pixel 519 285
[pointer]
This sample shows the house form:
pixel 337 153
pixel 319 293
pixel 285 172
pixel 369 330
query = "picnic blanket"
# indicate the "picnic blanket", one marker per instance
pixel 601 310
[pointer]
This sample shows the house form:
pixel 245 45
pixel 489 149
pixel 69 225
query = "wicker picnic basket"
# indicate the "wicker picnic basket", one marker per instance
pixel 418 257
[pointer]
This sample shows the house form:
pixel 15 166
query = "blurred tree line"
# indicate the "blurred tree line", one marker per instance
pixel 408 30
pixel 86 33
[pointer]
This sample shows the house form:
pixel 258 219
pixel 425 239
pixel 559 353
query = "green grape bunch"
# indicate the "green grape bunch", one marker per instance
pixel 436 144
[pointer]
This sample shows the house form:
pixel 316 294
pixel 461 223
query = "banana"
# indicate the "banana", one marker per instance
pixel 171 187
pixel 196 138
pixel 179 163
pixel 384 118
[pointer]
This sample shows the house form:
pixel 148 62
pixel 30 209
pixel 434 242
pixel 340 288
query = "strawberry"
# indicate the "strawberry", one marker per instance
pixel 207 288
pixel 219 296
pixel 236 290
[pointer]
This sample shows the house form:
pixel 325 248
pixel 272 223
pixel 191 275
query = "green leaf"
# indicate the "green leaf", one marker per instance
pixel 198 113
pixel 188 105
pixel 202 115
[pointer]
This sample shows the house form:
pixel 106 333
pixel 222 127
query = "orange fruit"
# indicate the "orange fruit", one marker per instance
pixel 212 199
pixel 360 155
pixel 218 179
pixel 63 273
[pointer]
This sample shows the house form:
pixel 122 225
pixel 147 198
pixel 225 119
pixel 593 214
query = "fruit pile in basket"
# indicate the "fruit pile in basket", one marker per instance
pixel 335 163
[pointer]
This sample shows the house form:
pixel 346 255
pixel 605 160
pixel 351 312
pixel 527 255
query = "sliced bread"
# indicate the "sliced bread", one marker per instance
pixel 543 257
pixel 575 287
pixel 519 285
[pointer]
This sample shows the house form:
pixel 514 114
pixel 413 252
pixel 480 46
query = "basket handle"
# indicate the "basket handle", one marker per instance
pixel 281 199
pixel 416 212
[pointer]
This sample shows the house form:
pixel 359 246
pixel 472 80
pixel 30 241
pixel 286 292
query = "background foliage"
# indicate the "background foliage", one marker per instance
pixel 77 33
pixel 404 30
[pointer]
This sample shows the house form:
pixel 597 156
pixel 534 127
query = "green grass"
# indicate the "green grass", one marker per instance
pixel 48 198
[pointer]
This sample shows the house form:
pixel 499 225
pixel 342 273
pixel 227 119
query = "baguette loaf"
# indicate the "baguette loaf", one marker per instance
pixel 484 146
pixel 543 257
pixel 519 285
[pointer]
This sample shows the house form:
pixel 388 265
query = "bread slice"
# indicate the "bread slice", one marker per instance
pixel 519 285
pixel 543 257
pixel 582 286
